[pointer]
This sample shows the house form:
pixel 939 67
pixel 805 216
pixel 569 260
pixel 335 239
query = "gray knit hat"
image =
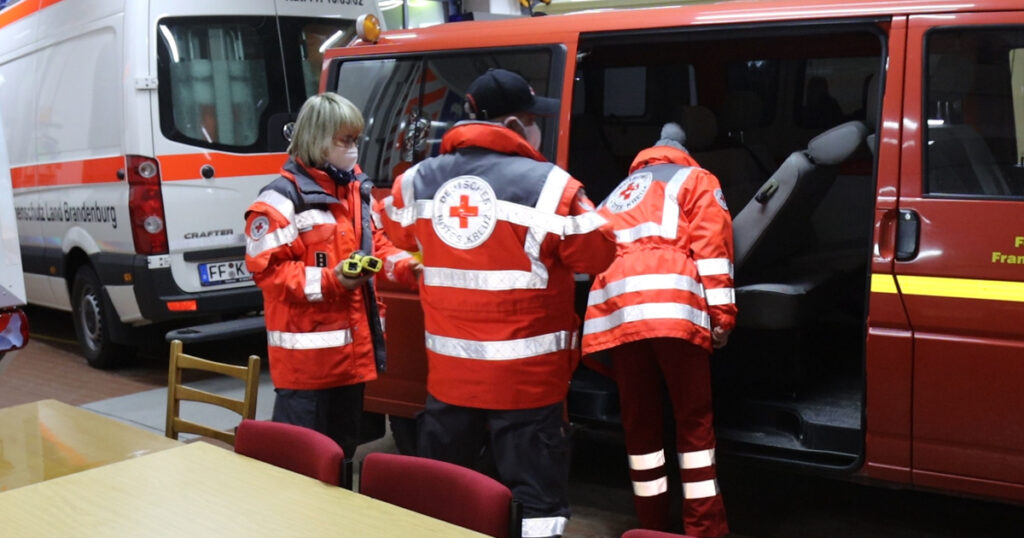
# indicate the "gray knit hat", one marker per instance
pixel 673 136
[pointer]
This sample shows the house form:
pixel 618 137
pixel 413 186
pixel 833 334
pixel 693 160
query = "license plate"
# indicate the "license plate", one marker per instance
pixel 211 274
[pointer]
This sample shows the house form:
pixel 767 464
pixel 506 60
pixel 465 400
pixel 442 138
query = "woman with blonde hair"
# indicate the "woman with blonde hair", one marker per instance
pixel 324 325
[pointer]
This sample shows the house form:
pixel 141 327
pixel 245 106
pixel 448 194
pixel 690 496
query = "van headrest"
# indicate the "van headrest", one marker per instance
pixel 872 101
pixel 700 125
pixel 741 110
pixel 836 144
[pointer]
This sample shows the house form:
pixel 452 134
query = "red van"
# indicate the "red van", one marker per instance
pixel 872 155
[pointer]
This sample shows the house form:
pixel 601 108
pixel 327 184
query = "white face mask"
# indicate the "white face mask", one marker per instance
pixel 531 133
pixel 343 158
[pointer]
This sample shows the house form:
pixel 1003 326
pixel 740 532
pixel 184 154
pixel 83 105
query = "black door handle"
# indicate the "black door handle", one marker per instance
pixel 908 233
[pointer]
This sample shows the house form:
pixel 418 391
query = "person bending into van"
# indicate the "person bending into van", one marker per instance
pixel 661 307
pixel 501 232
pixel 324 331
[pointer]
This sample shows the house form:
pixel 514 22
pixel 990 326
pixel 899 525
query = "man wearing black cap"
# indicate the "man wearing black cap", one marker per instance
pixel 501 231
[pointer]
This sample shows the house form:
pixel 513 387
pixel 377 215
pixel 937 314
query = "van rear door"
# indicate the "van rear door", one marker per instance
pixel 960 256
pixel 230 83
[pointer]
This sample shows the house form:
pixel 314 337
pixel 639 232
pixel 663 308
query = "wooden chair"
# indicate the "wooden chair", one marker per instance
pixel 442 490
pixel 176 392
pixel 298 449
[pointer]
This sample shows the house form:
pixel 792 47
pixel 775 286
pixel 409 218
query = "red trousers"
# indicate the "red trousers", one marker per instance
pixel 639 369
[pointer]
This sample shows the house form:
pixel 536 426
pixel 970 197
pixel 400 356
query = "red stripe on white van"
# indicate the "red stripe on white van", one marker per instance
pixel 23 9
pixel 101 170
pixel 17 11
pixel 187 166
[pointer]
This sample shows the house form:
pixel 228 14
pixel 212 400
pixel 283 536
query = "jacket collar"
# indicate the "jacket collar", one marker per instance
pixel 492 136
pixel 314 185
pixel 661 155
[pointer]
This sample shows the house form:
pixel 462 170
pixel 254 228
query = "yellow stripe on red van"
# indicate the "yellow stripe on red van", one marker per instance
pixel 958 288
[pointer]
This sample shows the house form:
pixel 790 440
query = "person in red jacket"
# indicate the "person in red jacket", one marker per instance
pixel 661 307
pixel 502 232
pixel 324 329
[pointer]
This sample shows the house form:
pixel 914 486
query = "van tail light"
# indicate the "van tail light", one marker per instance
pixel 13 329
pixel 146 205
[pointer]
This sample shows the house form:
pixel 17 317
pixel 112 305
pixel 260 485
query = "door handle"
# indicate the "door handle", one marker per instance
pixel 908 233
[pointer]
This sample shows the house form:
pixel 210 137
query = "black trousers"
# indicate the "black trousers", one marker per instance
pixel 335 412
pixel 530 447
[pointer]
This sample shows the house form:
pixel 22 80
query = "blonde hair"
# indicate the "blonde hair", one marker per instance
pixel 320 118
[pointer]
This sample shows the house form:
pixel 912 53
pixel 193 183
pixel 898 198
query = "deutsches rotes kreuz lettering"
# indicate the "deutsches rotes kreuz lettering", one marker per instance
pixel 628 194
pixel 464 212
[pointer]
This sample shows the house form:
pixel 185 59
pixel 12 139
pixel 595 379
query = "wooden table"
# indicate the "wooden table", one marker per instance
pixel 203 490
pixel 48 439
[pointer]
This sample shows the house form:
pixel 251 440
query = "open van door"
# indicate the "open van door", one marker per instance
pixel 960 255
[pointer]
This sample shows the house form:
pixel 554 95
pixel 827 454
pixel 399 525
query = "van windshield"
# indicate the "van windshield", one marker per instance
pixel 411 102
pixel 222 81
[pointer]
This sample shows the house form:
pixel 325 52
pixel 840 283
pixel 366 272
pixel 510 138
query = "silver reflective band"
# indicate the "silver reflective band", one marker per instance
pixel 714 266
pixel 500 350
pixel 640 231
pixel 279 202
pixel 538 527
pixel 644 462
pixel 405 217
pixel 700 490
pixel 551 194
pixel 651 487
pixel 313 288
pixel 312 217
pixel 277 238
pixel 697 459
pixel 647 311
pixel 482 280
pixel 670 212
pixel 719 296
pixel 319 340
pixel 667 281
pixel 583 223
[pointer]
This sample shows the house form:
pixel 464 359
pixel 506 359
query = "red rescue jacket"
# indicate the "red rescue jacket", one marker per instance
pixel 502 232
pixel 319 334
pixel 672 274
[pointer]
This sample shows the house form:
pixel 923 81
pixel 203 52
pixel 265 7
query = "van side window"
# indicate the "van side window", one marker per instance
pixel 834 90
pixel 974 104
pixel 410 102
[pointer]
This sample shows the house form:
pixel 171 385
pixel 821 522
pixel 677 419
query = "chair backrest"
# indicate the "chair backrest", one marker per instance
pixel 442 490
pixel 775 222
pixel 176 392
pixel 296 448
pixel 736 168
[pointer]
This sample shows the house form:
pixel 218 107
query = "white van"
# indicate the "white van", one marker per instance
pixel 13 322
pixel 138 133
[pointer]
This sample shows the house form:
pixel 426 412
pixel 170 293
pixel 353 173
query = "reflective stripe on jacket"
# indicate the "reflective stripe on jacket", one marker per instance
pixel 672 275
pixel 501 233
pixel 319 334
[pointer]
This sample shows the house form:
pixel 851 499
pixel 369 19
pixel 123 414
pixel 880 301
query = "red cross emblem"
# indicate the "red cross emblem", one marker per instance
pixel 628 191
pixel 463 211
pixel 258 227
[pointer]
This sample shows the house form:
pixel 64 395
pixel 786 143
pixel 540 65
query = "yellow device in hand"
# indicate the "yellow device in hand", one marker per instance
pixel 358 263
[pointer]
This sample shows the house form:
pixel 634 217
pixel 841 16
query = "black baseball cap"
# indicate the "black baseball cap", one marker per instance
pixel 499 92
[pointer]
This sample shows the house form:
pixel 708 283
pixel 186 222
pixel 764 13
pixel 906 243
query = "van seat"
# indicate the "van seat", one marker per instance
pixel 778 294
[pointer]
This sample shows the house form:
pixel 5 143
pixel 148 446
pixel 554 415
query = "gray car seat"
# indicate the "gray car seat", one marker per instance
pixel 776 297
